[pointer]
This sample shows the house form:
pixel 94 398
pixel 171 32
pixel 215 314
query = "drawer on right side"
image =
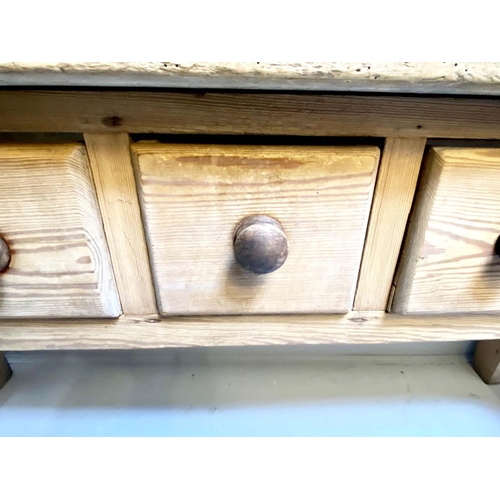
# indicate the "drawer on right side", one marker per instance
pixel 450 261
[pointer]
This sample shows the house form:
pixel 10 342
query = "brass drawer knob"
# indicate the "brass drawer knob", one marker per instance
pixel 260 244
pixel 4 255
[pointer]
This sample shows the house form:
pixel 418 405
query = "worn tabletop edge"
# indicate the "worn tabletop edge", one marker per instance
pixel 480 78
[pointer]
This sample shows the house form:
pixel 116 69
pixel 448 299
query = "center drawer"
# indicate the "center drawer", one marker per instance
pixel 314 203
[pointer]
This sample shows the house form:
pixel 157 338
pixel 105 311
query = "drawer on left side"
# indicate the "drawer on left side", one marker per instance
pixel 54 259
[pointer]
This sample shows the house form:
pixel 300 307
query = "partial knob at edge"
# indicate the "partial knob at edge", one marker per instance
pixel 260 244
pixel 4 255
pixel 497 246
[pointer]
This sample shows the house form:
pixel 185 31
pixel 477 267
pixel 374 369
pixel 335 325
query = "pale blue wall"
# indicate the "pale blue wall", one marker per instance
pixel 249 392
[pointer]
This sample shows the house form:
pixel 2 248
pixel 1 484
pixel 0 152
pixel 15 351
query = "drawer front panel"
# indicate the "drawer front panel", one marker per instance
pixel 194 197
pixel 449 263
pixel 49 218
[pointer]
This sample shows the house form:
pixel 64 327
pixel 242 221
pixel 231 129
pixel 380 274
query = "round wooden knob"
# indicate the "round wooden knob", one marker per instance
pixel 4 255
pixel 260 244
pixel 497 246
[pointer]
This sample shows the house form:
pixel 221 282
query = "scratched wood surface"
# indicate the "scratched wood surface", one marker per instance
pixel 49 217
pixel 193 197
pixel 448 263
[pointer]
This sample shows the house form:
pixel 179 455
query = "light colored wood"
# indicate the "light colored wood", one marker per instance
pixel 130 332
pixel 487 361
pixel 431 77
pixel 448 264
pixel 60 265
pixel 5 371
pixel 396 183
pixel 194 196
pixel 117 194
pixel 236 113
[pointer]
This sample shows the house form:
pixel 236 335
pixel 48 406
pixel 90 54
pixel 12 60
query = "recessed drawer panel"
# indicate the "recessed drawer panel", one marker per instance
pixel 55 257
pixel 251 229
pixel 449 262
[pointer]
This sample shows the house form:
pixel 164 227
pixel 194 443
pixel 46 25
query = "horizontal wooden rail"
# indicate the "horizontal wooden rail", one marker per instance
pixel 248 113
pixel 153 332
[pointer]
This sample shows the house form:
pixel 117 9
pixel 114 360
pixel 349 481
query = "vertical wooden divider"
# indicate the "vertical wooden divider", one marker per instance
pixel 392 201
pixel 111 165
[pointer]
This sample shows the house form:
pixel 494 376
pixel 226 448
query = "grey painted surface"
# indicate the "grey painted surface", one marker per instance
pixel 248 392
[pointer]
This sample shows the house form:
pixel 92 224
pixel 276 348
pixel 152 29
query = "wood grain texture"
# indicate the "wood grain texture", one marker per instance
pixel 237 113
pixel 129 332
pixel 117 194
pixel 448 263
pixel 5 370
pixel 194 196
pixel 60 265
pixel 431 77
pixel 394 192
pixel 487 361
